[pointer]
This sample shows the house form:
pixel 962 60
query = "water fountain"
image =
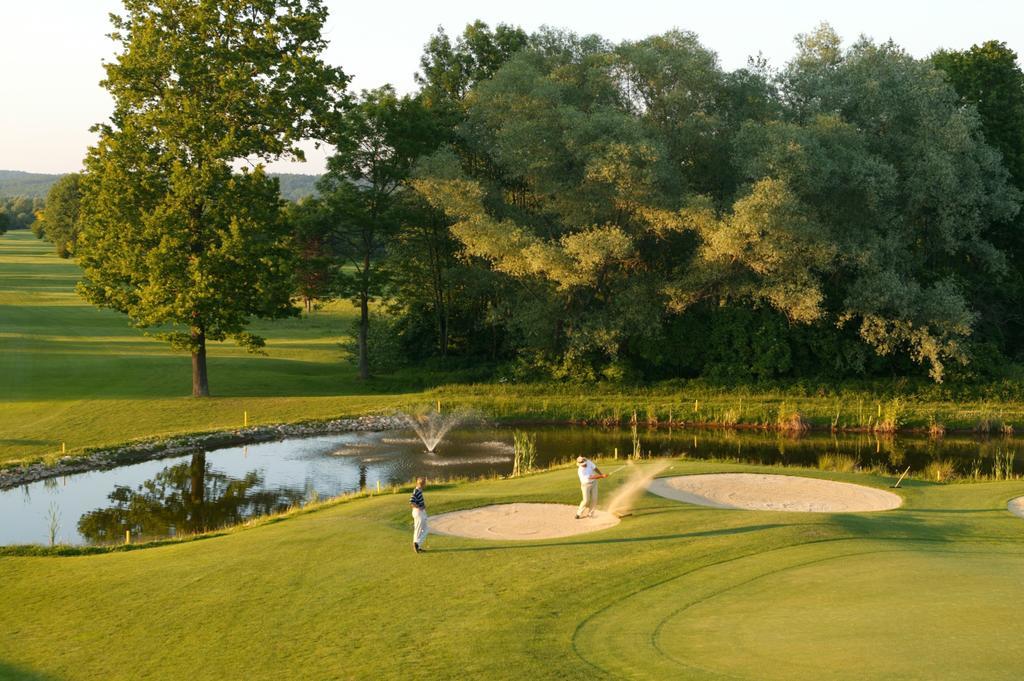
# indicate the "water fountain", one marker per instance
pixel 432 426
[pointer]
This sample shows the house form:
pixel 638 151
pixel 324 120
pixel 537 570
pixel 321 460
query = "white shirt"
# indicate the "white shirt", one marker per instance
pixel 585 471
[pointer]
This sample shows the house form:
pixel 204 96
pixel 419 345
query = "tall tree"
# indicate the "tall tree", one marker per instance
pixel 988 78
pixel 173 235
pixel 60 223
pixel 622 186
pixel 449 70
pixel 865 206
pixel 378 143
pixel 312 238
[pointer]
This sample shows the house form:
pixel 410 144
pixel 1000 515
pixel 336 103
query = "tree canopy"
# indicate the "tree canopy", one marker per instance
pixel 173 235
pixel 625 185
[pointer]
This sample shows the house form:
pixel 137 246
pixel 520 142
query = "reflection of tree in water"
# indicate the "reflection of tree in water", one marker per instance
pixel 182 499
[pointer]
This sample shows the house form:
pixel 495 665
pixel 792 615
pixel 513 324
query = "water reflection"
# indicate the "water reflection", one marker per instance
pixel 183 499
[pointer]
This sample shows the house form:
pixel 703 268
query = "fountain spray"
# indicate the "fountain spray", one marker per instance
pixel 432 426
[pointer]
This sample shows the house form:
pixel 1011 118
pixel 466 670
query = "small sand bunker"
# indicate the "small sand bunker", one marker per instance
pixel 1016 507
pixel 759 492
pixel 519 521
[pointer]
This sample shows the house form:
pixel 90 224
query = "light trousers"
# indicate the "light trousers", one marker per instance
pixel 419 525
pixel 589 502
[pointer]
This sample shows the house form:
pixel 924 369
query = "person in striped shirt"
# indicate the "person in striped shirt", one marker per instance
pixel 419 516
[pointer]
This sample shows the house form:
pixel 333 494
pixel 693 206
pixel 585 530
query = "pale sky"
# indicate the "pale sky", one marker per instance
pixel 51 50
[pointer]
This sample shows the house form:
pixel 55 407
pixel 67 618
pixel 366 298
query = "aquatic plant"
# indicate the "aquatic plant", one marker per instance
pixel 524 457
pixel 841 463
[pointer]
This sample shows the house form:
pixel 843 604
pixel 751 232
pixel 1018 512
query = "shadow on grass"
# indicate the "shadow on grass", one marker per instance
pixel 27 442
pixel 11 672
pixel 621 540
pixel 99 375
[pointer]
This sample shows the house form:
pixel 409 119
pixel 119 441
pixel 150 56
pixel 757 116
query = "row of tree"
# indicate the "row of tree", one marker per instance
pixel 19 212
pixel 597 210
pixel 560 205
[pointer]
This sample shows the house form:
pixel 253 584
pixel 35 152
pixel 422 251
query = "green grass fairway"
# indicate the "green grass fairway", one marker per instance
pixel 928 591
pixel 72 373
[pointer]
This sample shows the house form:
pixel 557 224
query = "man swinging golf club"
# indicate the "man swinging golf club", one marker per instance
pixel 589 475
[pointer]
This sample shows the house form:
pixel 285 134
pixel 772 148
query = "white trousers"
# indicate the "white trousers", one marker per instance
pixel 419 525
pixel 589 502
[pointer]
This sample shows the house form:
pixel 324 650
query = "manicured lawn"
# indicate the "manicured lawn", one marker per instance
pixel 928 591
pixel 72 373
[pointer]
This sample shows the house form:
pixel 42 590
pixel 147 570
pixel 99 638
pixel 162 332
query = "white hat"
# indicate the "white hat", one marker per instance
pixel 581 459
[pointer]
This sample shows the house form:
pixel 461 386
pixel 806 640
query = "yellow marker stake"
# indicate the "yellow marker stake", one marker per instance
pixel 245 417
pixel 439 406
pixel 63 449
pixel 378 487
pixel 695 406
pixel 127 536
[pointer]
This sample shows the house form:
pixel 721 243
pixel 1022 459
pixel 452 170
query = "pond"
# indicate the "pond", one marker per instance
pixel 187 494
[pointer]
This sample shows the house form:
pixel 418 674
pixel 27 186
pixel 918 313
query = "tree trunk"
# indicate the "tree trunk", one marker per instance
pixel 200 384
pixel 197 478
pixel 364 327
pixel 197 493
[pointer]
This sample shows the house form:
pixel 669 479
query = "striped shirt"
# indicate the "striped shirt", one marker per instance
pixel 417 499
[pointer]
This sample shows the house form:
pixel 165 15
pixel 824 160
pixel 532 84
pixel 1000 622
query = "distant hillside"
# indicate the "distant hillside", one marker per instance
pixel 295 186
pixel 17 183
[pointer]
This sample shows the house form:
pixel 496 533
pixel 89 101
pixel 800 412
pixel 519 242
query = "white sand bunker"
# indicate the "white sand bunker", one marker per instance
pixel 519 521
pixel 1016 507
pixel 759 492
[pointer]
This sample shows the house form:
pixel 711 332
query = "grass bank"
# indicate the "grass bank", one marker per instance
pixel 674 591
pixel 78 377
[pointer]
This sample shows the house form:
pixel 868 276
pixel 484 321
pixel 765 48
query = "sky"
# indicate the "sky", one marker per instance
pixel 51 52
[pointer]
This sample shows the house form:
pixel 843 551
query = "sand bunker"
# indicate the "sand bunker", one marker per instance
pixel 1016 506
pixel 759 492
pixel 519 521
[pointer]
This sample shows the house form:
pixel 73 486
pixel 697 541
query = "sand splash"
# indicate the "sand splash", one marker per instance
pixel 622 500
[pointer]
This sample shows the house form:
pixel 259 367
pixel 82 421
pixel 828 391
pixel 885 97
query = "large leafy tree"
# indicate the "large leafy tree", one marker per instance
pixel 60 221
pixel 378 143
pixel 173 235
pixel 448 70
pixel 591 149
pixel 988 78
pixel 315 269
pixel 622 186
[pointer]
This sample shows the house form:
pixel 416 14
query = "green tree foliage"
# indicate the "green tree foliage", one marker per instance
pixel 902 184
pixel 625 188
pixel 587 170
pixel 315 268
pixel 172 234
pixel 988 78
pixel 20 212
pixel 377 144
pixel 60 220
pixel 449 70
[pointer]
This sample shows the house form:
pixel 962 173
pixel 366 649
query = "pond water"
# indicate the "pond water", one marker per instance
pixel 186 494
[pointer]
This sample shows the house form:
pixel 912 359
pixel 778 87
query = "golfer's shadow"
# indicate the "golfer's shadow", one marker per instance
pixel 616 540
